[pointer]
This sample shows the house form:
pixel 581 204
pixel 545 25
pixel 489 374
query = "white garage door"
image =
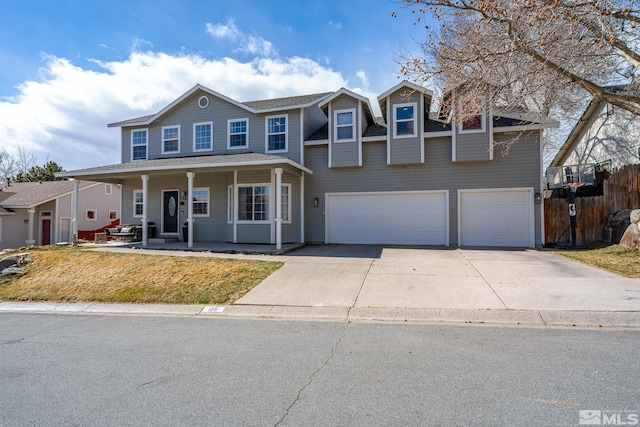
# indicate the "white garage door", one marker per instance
pixel 496 217
pixel 402 218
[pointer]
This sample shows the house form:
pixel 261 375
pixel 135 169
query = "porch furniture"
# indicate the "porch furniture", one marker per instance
pixel 100 238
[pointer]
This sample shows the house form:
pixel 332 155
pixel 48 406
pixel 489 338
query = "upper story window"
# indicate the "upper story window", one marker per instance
pixel 170 139
pixel 139 142
pixel 277 133
pixel 203 136
pixel 200 202
pixel 344 125
pixel 474 123
pixel 107 189
pixel 406 124
pixel 238 135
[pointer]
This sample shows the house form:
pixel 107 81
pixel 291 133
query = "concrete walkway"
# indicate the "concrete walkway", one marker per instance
pixel 375 283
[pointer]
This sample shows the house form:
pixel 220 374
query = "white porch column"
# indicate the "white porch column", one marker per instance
pixel 30 241
pixel 236 194
pixel 278 208
pixel 145 198
pixel 74 214
pixel 302 201
pixel 190 176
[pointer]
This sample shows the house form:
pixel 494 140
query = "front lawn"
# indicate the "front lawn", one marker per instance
pixel 78 275
pixel 615 258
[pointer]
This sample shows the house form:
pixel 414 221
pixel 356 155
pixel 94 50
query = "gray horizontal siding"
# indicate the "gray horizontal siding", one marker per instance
pixel 472 147
pixel 219 112
pixel 344 154
pixel 519 169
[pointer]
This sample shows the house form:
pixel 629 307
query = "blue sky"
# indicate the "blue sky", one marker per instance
pixel 71 67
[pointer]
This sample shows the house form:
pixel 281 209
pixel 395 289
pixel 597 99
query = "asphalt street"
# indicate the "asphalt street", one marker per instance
pixel 92 370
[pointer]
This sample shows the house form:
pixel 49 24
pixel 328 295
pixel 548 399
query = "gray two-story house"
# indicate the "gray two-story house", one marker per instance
pixel 323 168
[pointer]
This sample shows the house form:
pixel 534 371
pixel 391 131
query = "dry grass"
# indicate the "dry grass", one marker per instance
pixel 615 258
pixel 75 275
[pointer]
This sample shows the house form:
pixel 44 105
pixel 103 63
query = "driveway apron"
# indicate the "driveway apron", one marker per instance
pixel 488 279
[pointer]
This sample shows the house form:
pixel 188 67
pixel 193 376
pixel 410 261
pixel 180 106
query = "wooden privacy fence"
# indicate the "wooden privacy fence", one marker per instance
pixel 620 192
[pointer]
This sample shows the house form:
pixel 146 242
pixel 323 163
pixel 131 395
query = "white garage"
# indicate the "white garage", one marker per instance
pixel 496 217
pixel 399 217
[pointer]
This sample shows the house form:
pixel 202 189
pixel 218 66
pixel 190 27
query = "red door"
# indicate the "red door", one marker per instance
pixel 46 232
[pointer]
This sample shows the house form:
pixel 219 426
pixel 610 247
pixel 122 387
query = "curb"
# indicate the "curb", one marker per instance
pixel 514 318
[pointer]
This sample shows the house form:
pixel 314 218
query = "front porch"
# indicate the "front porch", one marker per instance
pixel 242 199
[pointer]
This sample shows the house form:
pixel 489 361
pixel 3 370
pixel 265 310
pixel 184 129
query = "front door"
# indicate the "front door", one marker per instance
pixel 46 232
pixel 170 212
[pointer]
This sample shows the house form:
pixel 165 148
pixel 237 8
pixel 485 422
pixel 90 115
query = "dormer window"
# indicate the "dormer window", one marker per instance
pixel 405 119
pixel 473 124
pixel 344 125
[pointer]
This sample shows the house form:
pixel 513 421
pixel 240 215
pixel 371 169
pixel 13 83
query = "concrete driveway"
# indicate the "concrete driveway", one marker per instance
pixel 377 276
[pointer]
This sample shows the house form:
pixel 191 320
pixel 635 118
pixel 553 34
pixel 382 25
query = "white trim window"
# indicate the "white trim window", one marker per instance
pixel 139 144
pixel 473 123
pixel 91 215
pixel 108 189
pixel 238 133
pixel 230 204
pixel 285 203
pixel 170 139
pixel 201 201
pixel 113 215
pixel 203 136
pixel 138 200
pixel 405 120
pixel 344 125
pixel 253 203
pixel 276 131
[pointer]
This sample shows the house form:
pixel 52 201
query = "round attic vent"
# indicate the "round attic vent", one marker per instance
pixel 203 102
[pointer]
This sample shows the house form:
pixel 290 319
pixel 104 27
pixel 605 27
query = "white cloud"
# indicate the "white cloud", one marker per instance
pixel 362 75
pixel 63 114
pixel 336 25
pixel 221 31
pixel 250 44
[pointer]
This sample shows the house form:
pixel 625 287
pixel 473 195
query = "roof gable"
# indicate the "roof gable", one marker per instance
pixel 262 106
pixel 408 88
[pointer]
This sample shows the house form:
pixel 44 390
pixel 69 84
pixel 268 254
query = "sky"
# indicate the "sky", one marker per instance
pixel 71 67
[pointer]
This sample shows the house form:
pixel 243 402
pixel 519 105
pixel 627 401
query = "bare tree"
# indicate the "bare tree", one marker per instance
pixel 534 56
pixel 7 166
pixel 24 161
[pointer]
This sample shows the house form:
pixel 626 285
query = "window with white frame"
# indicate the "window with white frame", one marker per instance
pixel 200 202
pixel 170 139
pixel 138 199
pixel 285 203
pixel 253 203
pixel 92 215
pixel 203 136
pixel 113 215
pixel 277 133
pixel 405 118
pixel 230 204
pixel 107 189
pixel 139 142
pixel 472 123
pixel 238 135
pixel 344 125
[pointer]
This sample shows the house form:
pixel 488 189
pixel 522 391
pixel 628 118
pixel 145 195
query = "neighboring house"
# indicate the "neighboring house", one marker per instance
pixel 40 213
pixel 605 135
pixel 323 168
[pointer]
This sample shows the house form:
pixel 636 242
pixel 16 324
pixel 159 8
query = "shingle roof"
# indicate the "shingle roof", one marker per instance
pixel 132 121
pixel 290 101
pixel 179 162
pixel 29 194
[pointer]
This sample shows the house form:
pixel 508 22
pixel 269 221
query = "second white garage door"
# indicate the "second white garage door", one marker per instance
pixel 497 217
pixel 402 218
